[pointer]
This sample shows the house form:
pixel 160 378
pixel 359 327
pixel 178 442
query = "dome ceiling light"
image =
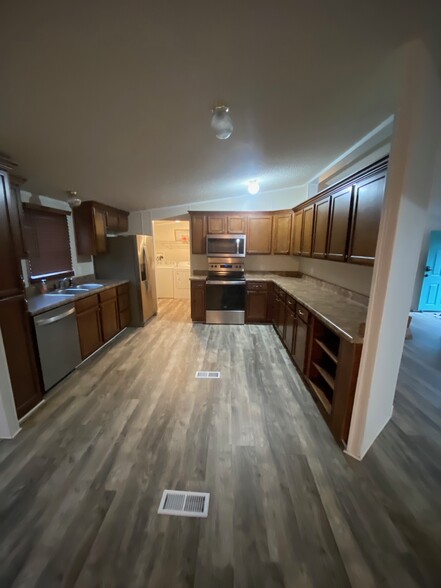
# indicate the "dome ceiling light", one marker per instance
pixel 72 199
pixel 253 187
pixel 221 121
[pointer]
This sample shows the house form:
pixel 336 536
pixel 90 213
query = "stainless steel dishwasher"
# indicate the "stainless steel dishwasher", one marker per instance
pixel 58 343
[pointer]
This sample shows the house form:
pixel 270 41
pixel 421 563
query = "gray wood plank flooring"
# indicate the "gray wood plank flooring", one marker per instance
pixel 80 486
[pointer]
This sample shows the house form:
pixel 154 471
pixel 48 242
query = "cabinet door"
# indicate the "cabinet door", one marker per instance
pixel 123 222
pixel 368 203
pixel 307 226
pixel 20 354
pixel 282 233
pixel 99 224
pixel 256 306
pixel 198 233
pixel 10 278
pixel 280 323
pixel 112 221
pixel 109 318
pixel 275 313
pixel 339 220
pixel 296 238
pixel 321 228
pixel 236 224
pixel 16 220
pixel 259 234
pixel 299 345
pixel 89 330
pixel 198 301
pixel 123 308
pixel 217 224
pixel 290 320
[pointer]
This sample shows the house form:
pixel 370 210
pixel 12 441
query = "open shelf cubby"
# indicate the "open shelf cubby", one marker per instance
pixel 323 364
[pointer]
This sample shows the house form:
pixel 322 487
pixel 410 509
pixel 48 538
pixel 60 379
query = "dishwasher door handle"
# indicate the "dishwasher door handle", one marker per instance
pixel 54 319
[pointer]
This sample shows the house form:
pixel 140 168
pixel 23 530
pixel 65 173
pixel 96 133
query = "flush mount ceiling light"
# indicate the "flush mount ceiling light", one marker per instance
pixel 72 199
pixel 221 121
pixel 253 187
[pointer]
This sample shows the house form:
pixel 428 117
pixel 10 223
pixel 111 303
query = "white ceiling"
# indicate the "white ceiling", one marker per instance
pixel 113 98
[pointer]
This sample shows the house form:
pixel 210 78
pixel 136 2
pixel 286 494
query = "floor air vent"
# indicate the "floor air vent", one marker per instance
pixel 208 375
pixel 184 504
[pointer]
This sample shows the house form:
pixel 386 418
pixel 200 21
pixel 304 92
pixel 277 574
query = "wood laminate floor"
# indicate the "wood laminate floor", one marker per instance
pixel 80 486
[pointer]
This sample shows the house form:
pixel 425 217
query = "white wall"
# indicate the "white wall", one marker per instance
pixel 82 265
pixel 411 170
pixel 172 251
pixel 9 426
pixel 357 278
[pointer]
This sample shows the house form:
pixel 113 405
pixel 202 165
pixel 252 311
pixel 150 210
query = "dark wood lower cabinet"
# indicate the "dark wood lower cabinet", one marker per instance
pixel 109 314
pixel 290 328
pixel 257 303
pixel 198 301
pixel 89 325
pixel 300 342
pixel 123 305
pixel 20 354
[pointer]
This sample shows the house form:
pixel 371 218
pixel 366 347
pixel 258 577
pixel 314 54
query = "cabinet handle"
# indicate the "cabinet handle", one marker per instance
pixel 301 313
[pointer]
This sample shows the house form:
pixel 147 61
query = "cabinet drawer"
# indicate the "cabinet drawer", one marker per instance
pixel 291 303
pixel 107 294
pixel 198 284
pixel 302 313
pixel 86 303
pixel 260 286
pixel 123 289
pixel 280 293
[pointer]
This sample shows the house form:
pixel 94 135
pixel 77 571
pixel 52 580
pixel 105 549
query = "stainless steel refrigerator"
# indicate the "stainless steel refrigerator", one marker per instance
pixel 131 258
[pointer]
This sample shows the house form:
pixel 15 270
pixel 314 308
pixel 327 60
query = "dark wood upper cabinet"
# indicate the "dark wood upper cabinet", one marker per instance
pixel 282 233
pixel 198 231
pixel 339 224
pixel 368 204
pixel 92 221
pixel 216 224
pixel 11 283
pixel 236 224
pixel 307 228
pixel 259 234
pixel 321 223
pixel 296 237
pixel 198 301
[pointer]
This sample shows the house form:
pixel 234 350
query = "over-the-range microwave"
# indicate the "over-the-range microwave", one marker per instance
pixel 226 245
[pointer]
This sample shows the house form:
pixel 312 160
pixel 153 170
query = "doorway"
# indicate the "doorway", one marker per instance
pixel 172 254
pixel 430 299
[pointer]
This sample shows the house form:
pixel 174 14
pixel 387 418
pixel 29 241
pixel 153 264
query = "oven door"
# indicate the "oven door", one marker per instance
pixel 226 245
pixel 225 302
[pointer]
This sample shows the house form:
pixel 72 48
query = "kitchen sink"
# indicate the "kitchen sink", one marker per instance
pixel 90 286
pixel 72 290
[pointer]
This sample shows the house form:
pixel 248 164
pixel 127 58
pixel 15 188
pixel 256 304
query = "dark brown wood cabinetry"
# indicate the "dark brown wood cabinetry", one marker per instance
pixel 290 323
pixel 296 238
pixel 321 223
pixel 109 314
pixel 198 232
pixel 14 321
pixel 368 203
pixel 257 303
pixel 228 223
pixel 198 301
pixel 89 325
pixel 259 234
pixel 339 223
pixel 300 341
pixel 282 233
pixel 123 305
pixel 236 224
pixel 216 224
pixel 307 230
pixel 92 222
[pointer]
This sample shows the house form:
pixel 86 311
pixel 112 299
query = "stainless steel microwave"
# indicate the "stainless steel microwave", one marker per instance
pixel 226 245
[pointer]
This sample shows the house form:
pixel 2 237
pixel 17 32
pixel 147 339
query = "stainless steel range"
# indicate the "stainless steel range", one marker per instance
pixel 225 291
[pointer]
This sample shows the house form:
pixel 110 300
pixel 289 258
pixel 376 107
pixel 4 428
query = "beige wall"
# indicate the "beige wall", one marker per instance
pixel 164 237
pixel 357 278
pixel 265 263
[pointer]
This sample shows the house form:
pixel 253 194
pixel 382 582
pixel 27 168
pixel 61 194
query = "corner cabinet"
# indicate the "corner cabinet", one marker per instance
pixel 339 224
pixel 307 231
pixel 321 225
pixel 92 222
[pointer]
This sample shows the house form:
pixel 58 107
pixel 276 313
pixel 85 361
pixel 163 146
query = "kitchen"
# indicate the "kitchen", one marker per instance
pixel 242 420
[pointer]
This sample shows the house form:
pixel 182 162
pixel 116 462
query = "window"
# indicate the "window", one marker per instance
pixel 47 241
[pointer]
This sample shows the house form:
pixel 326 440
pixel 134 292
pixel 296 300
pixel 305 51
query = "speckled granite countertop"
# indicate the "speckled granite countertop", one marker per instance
pixel 44 302
pixel 343 315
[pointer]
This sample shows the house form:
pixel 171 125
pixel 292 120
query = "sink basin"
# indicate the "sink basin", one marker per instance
pixel 90 286
pixel 59 293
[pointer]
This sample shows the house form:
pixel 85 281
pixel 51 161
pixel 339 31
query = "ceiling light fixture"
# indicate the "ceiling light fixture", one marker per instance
pixel 72 199
pixel 253 187
pixel 221 121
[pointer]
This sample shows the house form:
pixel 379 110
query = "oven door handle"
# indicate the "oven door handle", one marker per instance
pixel 225 282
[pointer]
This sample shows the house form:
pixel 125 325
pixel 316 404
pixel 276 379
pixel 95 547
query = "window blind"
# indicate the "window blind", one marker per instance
pixel 47 241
